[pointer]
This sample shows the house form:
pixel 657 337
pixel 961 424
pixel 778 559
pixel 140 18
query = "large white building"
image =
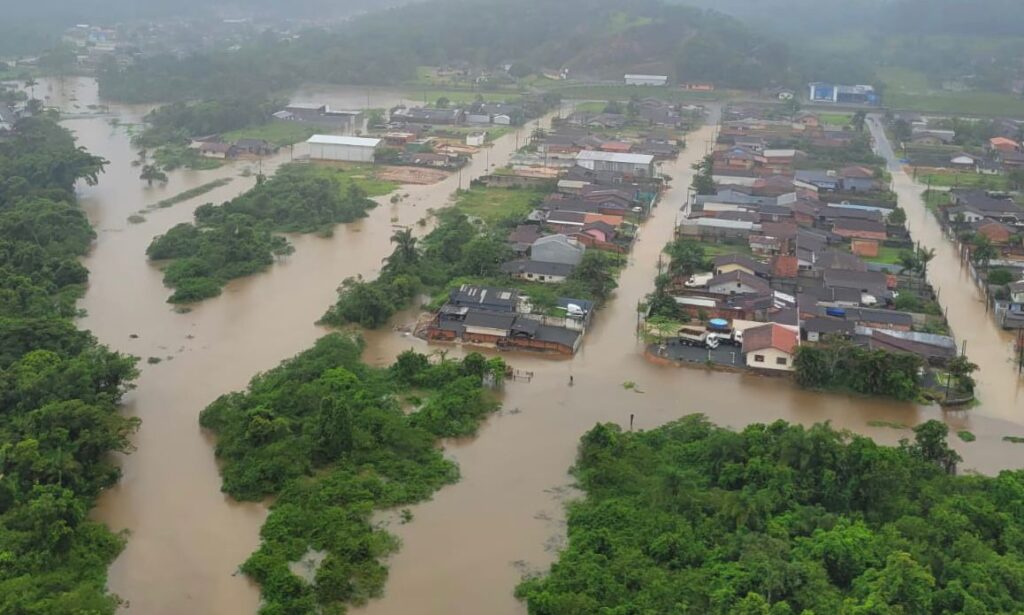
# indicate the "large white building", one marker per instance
pixel 346 149
pixel 657 80
pixel 640 165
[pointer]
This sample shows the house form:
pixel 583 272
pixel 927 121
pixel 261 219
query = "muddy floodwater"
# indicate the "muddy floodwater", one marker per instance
pixel 465 550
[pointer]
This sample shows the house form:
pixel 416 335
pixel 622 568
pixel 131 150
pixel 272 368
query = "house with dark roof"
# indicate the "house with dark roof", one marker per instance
pixel 538 271
pixel 727 263
pixel 770 347
pixel 427 115
pixel 737 283
pixel 880 319
pixel 822 180
pixel 485 298
pixel 852 228
pixel 818 327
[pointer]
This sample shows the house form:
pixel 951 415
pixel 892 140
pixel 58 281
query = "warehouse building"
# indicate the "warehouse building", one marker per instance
pixel 346 149
pixel 655 80
pixel 639 165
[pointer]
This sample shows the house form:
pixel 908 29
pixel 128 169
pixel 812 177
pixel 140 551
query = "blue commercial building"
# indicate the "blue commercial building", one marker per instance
pixel 843 94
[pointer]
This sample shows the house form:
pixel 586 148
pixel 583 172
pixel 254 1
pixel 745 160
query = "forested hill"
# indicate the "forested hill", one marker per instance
pixel 779 520
pixel 595 38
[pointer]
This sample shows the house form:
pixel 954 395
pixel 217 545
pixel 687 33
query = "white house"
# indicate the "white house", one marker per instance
pixel 770 347
pixel 656 80
pixel 347 149
pixel 476 139
pixel 641 165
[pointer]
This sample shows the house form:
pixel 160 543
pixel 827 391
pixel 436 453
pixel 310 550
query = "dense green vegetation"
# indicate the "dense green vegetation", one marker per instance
pixel 328 436
pixel 779 519
pixel 457 252
pixel 237 238
pixel 600 38
pixel 838 364
pixel 59 389
pixel 179 121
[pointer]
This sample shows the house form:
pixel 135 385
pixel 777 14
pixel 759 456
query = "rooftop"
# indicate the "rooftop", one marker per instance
pixel 342 140
pixel 615 157
pixel 771 335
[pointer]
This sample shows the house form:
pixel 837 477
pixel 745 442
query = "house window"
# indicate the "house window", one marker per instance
pixel 780 361
pixel 541 278
pixel 758 358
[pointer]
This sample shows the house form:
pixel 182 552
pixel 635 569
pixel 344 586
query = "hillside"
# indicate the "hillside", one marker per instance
pixel 593 38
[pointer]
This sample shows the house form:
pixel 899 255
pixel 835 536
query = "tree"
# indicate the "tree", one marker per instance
pixel 908 261
pixel 31 84
pixel 902 130
pixel 595 273
pixel 858 120
pixel 791 107
pixel 961 369
pixel 614 106
pixel 703 181
pixel 897 217
pixel 982 250
pixel 924 256
pixel 151 173
pixel 930 444
pixel 405 254
pixel 686 258
pixel 443 102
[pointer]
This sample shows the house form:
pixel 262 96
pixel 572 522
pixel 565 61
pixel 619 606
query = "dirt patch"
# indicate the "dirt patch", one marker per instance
pixel 411 175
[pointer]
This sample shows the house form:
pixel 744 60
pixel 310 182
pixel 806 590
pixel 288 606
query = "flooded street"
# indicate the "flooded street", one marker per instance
pixel 466 549
pixel 1000 390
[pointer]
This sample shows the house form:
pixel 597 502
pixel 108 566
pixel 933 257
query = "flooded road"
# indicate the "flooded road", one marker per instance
pixel 466 549
pixel 187 539
pixel 999 389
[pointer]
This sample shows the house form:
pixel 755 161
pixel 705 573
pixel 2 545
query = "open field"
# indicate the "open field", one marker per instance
pixel 492 205
pixel 963 180
pixel 887 256
pixel 907 89
pixel 835 119
pixel 278 133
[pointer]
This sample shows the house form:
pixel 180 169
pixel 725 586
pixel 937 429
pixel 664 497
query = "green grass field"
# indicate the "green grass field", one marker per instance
pixel 278 133
pixel 964 180
pixel 908 89
pixel 835 119
pixel 887 256
pixel 933 199
pixel 492 205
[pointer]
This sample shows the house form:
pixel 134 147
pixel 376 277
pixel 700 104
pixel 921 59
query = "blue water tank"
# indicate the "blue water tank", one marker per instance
pixel 718 323
pixel 837 312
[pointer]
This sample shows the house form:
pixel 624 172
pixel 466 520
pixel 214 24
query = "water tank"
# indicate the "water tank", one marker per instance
pixel 718 323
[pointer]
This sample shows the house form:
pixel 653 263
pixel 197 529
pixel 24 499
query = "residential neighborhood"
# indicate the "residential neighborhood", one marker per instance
pixel 793 238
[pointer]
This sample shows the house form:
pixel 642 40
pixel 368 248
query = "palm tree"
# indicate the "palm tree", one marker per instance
pixel 151 173
pixel 925 256
pixel 983 251
pixel 405 249
pixel 31 84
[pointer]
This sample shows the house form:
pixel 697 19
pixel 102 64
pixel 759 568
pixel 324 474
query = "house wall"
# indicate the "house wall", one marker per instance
pixel 543 278
pixel 769 360
pixel 345 153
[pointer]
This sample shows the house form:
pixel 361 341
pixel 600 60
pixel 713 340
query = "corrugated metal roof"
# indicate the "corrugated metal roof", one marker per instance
pixel 615 157
pixel 339 140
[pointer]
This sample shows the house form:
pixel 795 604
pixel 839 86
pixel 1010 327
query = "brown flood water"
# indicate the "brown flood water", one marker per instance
pixel 467 548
